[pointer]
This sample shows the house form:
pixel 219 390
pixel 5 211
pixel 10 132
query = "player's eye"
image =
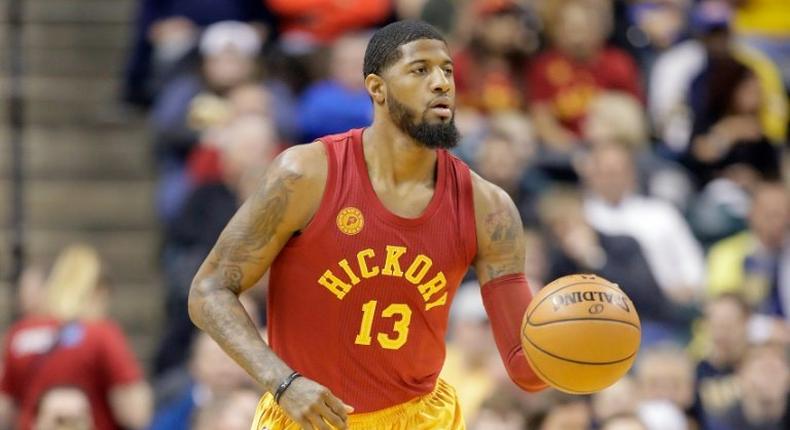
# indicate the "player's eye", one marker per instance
pixel 448 71
pixel 419 70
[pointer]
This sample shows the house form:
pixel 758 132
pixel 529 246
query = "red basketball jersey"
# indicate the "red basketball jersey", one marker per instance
pixel 359 301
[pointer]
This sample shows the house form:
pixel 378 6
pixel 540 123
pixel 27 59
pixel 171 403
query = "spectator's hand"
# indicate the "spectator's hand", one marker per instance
pixel 682 294
pixel 581 244
pixel 312 405
pixel 177 28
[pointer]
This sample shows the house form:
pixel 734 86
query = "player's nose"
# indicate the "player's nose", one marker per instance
pixel 440 82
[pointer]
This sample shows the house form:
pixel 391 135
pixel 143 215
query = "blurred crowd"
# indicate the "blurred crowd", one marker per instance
pixel 642 140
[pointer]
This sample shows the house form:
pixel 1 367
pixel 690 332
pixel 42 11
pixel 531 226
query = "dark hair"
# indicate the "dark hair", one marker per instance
pixel 383 50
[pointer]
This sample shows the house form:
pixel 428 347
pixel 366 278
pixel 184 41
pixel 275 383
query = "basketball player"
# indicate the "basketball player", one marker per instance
pixel 367 235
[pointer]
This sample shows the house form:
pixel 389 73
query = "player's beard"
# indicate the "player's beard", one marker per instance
pixel 443 135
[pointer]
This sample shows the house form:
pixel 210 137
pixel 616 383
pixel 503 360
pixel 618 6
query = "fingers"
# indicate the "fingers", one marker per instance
pixel 333 417
pixel 338 406
pixel 318 423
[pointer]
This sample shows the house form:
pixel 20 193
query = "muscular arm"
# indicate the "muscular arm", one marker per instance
pixel 283 205
pixel 500 270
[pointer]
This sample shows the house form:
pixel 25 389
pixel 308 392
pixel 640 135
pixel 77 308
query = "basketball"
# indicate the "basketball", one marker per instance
pixel 580 333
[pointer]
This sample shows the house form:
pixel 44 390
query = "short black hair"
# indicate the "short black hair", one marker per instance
pixel 383 50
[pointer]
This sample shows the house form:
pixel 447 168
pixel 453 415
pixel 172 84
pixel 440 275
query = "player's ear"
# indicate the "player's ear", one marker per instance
pixel 376 88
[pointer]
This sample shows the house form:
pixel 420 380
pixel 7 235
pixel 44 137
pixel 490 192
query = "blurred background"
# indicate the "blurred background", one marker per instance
pixel 643 140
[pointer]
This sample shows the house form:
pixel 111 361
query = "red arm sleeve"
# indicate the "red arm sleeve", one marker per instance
pixel 505 299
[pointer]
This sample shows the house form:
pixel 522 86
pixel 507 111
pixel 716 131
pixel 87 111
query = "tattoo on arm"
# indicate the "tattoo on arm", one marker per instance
pixel 253 230
pixel 504 242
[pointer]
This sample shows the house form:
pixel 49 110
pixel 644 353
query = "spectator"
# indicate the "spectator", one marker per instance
pixel 620 399
pixel 233 412
pixel 579 248
pixel 501 410
pixel 318 110
pixel 662 415
pixel 505 156
pixel 213 374
pixel 623 422
pixel 165 35
pixel 726 318
pixel 564 79
pixel 615 117
pixel 489 69
pixel 471 351
pixel 613 207
pixel 764 381
pixel 31 295
pixel 192 104
pixel 246 147
pixel 665 372
pixel 727 136
pixel 755 263
pixel 670 83
pixel 75 344
pixel 567 412
pixel 654 26
pixel 64 408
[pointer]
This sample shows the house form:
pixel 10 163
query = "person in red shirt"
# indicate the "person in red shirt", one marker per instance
pixel 564 79
pixel 74 345
pixel 367 235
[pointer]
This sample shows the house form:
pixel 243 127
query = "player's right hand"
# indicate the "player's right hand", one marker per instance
pixel 312 406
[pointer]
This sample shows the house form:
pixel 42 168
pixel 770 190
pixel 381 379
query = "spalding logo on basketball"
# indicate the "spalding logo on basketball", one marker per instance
pixel 581 333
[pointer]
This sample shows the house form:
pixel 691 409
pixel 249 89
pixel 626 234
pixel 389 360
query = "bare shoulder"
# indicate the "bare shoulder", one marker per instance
pixel 299 173
pixel 499 231
pixel 490 198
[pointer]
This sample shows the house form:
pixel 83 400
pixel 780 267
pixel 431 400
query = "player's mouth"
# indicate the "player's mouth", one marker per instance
pixel 441 107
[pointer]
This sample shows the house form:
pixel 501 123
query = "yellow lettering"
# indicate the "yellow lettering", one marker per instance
pixel 392 265
pixel 433 286
pixel 346 268
pixel 440 301
pixel 363 265
pixel 421 263
pixel 334 284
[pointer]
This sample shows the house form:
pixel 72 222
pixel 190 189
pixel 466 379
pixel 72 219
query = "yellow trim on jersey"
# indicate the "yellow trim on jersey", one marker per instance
pixel 437 410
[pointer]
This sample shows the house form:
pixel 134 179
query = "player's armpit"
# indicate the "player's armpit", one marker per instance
pixel 500 236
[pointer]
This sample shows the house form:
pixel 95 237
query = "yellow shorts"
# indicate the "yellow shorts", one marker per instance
pixel 437 410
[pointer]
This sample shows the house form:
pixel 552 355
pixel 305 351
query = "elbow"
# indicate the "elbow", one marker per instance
pixel 199 292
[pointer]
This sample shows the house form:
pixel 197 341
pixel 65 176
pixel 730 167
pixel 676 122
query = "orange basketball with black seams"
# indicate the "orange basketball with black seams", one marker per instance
pixel 581 333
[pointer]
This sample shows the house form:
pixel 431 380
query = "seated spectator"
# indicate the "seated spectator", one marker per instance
pixel 662 415
pixel 728 137
pixel 726 319
pixel 64 408
pixel 506 158
pixel 471 351
pixel 212 374
pixel 564 412
pixel 320 111
pixel 654 27
pixel 75 344
pixel 234 411
pixel 612 207
pixel 164 37
pixel 193 103
pixel 620 399
pixel 670 82
pixel 764 381
pixel 756 262
pixel 564 79
pixel 246 147
pixel 615 117
pixel 501 410
pixel 579 248
pixel 624 422
pixel 489 69
pixel 665 372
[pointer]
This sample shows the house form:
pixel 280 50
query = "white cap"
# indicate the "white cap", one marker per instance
pixel 230 35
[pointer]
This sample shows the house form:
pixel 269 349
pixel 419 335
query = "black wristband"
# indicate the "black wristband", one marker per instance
pixel 284 386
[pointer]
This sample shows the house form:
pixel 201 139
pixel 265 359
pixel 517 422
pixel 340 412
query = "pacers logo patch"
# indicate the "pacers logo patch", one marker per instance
pixel 350 221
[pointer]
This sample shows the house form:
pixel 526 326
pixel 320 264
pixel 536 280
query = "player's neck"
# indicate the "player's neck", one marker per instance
pixel 393 156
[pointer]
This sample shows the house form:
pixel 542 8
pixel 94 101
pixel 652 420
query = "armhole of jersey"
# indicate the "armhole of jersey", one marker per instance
pixel 468 224
pixel 330 188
